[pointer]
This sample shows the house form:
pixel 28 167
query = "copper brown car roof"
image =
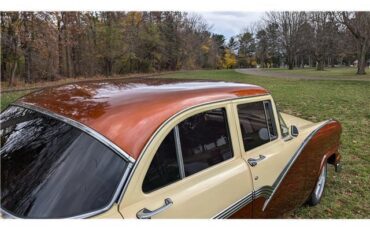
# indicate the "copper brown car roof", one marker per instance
pixel 128 111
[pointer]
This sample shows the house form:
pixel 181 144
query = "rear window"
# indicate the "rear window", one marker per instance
pixel 50 169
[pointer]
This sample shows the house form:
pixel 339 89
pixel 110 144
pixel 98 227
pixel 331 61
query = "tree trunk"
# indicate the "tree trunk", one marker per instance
pixel 290 60
pixel 302 62
pixel 27 65
pixel 28 48
pixel 13 33
pixel 361 65
pixel 68 46
pixel 3 52
pixel 12 76
pixel 60 45
pixel 320 64
pixel 3 70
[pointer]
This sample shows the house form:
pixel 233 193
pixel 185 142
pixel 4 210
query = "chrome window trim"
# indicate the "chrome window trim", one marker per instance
pixel 100 138
pixel 286 137
pixel 165 123
pixel 269 113
pixel 291 162
pixel 267 122
pixel 180 159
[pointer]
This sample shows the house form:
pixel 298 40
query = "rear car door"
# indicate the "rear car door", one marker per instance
pixel 192 168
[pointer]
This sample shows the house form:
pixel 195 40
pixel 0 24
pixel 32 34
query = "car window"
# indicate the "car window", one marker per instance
pixel 164 168
pixel 50 169
pixel 256 123
pixel 203 140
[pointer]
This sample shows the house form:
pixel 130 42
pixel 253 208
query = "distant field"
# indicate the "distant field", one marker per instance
pixel 347 194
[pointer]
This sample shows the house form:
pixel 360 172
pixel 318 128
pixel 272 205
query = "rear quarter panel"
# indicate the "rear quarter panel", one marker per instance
pixel 299 181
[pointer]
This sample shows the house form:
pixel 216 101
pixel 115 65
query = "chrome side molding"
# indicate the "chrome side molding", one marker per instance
pixel 264 191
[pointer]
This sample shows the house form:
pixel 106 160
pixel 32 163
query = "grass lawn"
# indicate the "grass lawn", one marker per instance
pixel 336 72
pixel 347 194
pixel 7 98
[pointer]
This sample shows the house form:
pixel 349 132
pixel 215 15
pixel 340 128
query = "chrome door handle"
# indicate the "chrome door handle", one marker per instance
pixel 253 162
pixel 147 214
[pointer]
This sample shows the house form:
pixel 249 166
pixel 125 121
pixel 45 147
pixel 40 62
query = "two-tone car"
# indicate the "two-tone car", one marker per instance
pixel 160 148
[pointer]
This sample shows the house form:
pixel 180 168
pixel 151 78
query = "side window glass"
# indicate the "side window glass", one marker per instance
pixel 256 123
pixel 164 168
pixel 205 140
pixel 195 144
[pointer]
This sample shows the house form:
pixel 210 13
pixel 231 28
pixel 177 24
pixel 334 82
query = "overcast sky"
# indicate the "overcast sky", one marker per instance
pixel 230 23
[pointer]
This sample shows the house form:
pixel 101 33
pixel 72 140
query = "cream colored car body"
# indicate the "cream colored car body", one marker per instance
pixel 213 190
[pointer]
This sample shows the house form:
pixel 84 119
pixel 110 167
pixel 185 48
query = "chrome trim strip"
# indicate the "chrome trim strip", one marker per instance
pixel 264 191
pixel 7 215
pixel 168 121
pixel 227 212
pixel 267 120
pixel 117 195
pixel 128 170
pixel 180 159
pixel 291 162
pixel 80 126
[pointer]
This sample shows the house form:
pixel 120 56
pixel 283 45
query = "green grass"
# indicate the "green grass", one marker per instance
pixel 347 194
pixel 336 72
pixel 7 98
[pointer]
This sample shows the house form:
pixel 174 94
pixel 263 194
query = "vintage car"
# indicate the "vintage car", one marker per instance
pixel 160 148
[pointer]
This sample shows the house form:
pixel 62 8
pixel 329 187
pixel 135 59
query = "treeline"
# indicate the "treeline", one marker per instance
pixel 39 46
pixel 45 46
pixel 314 39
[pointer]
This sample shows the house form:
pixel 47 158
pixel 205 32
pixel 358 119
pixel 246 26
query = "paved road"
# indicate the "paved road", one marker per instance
pixel 267 73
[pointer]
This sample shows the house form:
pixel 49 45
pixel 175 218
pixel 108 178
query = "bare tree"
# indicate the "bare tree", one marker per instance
pixel 289 24
pixel 358 23
pixel 321 23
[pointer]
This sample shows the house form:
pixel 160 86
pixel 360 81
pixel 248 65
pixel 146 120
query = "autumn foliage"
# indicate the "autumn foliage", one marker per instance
pixel 39 46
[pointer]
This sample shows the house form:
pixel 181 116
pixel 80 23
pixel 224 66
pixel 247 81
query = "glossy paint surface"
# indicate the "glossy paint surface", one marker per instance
pixel 129 111
pixel 301 178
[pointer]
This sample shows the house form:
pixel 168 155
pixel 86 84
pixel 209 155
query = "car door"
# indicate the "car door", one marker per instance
pixel 266 147
pixel 192 168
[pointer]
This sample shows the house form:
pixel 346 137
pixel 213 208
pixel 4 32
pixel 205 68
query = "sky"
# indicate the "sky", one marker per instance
pixel 230 23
